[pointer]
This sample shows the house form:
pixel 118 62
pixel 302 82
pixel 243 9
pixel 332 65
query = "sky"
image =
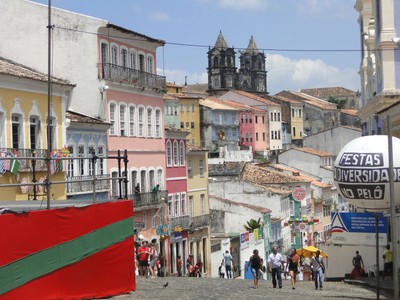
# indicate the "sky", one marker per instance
pixel 286 30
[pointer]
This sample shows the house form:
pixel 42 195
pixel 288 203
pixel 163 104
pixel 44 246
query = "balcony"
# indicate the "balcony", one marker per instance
pixel 87 186
pixel 24 156
pixel 201 221
pixel 180 222
pixel 143 201
pixel 134 77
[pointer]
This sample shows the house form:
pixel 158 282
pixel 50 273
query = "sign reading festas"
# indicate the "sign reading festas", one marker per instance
pixel 362 172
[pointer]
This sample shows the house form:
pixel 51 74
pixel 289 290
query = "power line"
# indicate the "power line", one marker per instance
pixel 208 46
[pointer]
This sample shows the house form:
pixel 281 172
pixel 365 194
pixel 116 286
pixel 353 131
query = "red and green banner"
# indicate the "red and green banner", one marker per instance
pixel 69 253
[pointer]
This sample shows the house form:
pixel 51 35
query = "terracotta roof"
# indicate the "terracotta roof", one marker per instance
pixel 192 147
pixel 81 118
pixel 316 101
pixel 260 175
pixel 226 169
pixel 329 91
pixel 173 129
pixel 314 152
pixel 321 184
pixel 170 84
pixel 351 112
pixel 255 97
pixel 250 206
pixel 9 67
pixel 284 99
pixel 294 172
pixel 170 97
pixel 242 106
pixel 215 103
pixel 277 189
pixel 198 87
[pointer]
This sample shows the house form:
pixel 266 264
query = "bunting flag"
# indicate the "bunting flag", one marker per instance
pixel 14 168
pixel 7 162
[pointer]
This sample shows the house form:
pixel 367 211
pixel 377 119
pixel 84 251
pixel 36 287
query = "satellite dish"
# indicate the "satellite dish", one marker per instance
pixel 24 188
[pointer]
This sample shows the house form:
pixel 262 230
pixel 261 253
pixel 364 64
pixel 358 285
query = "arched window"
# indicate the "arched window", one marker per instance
pixel 215 63
pixel 132 129
pixel 16 131
pixel 182 153
pixel 158 123
pixel 141 121
pixel 169 153
pixel 176 153
pixel 149 122
pixel 122 119
pixel 112 119
pixel 34 132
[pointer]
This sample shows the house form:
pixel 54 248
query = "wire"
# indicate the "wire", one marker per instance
pixel 208 46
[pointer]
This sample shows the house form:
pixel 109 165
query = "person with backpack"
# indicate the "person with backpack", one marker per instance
pixel 255 264
pixel 318 269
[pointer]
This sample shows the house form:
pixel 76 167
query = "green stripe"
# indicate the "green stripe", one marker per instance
pixel 26 269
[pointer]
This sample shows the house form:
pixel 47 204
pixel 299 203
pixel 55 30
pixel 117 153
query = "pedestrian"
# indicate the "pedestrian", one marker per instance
pixel 358 264
pixel 255 264
pixel 179 266
pixel 293 266
pixel 227 260
pixel 220 273
pixel 388 263
pixel 143 257
pixel 318 269
pixel 275 264
pixel 137 192
pixel 156 188
pixel 199 265
pixel 153 258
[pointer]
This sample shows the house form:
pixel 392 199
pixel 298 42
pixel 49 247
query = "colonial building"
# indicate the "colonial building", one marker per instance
pixel 23 131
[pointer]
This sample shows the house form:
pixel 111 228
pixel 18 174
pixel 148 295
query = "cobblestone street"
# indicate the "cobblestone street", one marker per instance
pixel 207 288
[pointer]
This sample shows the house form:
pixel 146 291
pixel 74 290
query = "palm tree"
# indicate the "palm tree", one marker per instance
pixel 252 224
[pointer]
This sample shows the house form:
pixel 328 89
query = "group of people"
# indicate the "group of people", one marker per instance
pixel 148 262
pixel 276 264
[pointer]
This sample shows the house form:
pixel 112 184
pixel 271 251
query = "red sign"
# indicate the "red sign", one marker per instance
pixel 298 194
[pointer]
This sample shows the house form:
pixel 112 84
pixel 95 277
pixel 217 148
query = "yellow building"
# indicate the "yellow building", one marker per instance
pixel 23 131
pixel 199 209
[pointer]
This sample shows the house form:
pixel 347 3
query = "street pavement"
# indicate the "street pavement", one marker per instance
pixel 216 288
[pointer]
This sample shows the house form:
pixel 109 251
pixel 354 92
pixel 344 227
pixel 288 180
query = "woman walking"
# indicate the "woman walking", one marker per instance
pixel 255 265
pixel 293 266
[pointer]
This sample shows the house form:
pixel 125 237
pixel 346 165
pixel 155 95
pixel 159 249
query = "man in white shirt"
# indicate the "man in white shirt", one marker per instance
pixel 318 268
pixel 275 265
pixel 228 264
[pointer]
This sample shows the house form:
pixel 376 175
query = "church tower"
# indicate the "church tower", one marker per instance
pixel 252 76
pixel 221 67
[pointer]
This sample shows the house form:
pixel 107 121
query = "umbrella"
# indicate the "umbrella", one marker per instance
pixel 310 252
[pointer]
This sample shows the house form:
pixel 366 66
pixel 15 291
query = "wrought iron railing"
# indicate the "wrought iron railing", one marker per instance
pixel 137 78
pixel 144 200
pixel 183 222
pixel 87 186
pixel 201 221
pixel 26 157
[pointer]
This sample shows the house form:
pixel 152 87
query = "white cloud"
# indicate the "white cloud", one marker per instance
pixel 159 16
pixel 243 4
pixel 287 74
pixel 178 76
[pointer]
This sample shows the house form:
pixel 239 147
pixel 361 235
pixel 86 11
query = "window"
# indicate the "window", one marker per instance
pixel 169 154
pixel 104 53
pixel 122 120
pixel 292 112
pixel 141 62
pixel 190 208
pixel 247 119
pixel 150 65
pixel 182 153
pixel 251 119
pixel 81 162
pixel 272 134
pixel 192 107
pixel 141 121
pixel 132 131
pixel 2 130
pixel 149 122
pixel 160 178
pixel 300 112
pixel 279 116
pixel 152 179
pixel 276 135
pixel 187 107
pixel 158 123
pixel 279 134
pixel 112 119
pixel 182 107
pixel 143 186
pixel 202 204
pixel 327 210
pixel 177 205
pixel 170 204
pixel 70 163
pixel 34 132
pixel 192 125
pixel 132 60
pixel 275 116
pixel 272 116
pixel 201 168
pixel 124 58
pixel 134 180
pixel 176 153
pixel 256 136
pixel 90 154
pixel 182 125
pixel 183 202
pixel 263 136
pixel 53 133
pixel 190 168
pixel 294 131
pixel 256 119
pixel 16 131
pixel 114 55
pixel 100 162
pixel 263 119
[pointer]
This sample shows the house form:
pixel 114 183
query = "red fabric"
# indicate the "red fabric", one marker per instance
pixel 143 256
pixel 106 273
pixel 27 233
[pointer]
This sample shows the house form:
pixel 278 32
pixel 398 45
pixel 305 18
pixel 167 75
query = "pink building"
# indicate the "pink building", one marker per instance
pixel 132 98
pixel 177 205
pixel 253 130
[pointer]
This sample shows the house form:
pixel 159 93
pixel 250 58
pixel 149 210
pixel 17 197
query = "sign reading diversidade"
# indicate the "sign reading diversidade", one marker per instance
pixel 361 172
pixel 357 228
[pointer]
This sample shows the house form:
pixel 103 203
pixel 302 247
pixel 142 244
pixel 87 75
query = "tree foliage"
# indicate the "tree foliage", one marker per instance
pixel 252 224
pixel 339 102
